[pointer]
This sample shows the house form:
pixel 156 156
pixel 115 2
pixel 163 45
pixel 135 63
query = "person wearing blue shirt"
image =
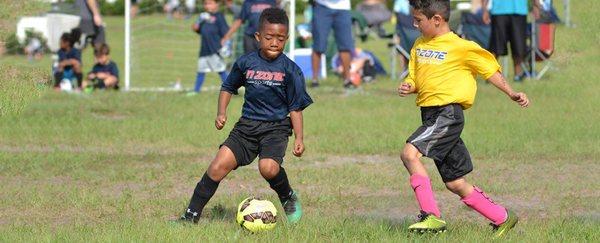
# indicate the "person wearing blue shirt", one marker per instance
pixel 212 26
pixel 251 10
pixel 332 15
pixel 509 24
pixel 274 88
pixel 105 73
pixel 69 60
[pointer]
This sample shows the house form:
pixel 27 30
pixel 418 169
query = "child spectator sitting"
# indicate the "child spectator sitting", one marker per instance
pixel 362 66
pixel 105 73
pixel 69 60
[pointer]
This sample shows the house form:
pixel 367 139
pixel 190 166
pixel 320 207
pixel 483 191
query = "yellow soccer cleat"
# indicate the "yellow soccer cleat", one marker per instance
pixel 511 221
pixel 428 223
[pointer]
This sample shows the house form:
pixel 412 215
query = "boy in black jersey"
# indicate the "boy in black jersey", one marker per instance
pixel 274 88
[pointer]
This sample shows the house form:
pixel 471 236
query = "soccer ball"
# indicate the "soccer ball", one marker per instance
pixel 255 214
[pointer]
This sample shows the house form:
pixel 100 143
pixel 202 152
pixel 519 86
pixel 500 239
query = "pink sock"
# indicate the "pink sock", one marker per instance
pixel 422 187
pixel 485 206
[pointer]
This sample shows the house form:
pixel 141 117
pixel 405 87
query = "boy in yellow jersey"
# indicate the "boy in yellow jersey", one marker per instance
pixel 442 72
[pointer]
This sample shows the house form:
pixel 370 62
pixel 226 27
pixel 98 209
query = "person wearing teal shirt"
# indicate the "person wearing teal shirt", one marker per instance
pixel 508 20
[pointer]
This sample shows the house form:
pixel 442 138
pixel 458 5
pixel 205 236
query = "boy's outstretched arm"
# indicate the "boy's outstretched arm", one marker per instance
pixel 498 80
pixel 297 125
pixel 234 27
pixel 224 98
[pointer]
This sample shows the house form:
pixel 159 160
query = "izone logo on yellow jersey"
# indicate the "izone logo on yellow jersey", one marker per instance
pixel 430 56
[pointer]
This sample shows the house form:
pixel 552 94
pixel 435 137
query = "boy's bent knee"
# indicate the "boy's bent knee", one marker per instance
pixel 268 168
pixel 459 187
pixel 409 154
pixel 219 169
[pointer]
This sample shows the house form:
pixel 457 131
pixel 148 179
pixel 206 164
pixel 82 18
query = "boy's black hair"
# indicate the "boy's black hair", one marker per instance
pixel 432 7
pixel 101 49
pixel 72 37
pixel 273 16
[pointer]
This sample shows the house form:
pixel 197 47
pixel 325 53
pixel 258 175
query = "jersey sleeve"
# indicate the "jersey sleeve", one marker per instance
pixel 297 97
pixel 78 55
pixel 481 61
pixel 114 70
pixel 95 68
pixel 234 80
pixel 61 55
pixel 223 26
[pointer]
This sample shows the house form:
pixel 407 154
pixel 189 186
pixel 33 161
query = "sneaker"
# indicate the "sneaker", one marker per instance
pixel 348 84
pixel 89 89
pixel 511 221
pixel 314 84
pixel 292 208
pixel 189 217
pixel 520 77
pixel 191 93
pixel 428 223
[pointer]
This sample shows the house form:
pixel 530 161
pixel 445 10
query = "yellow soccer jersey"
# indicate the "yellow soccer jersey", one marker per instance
pixel 443 70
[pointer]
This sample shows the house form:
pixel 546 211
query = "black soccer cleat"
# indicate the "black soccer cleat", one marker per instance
pixel 189 217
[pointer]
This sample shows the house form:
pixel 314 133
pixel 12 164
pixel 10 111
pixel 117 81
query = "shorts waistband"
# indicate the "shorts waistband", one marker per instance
pixel 431 108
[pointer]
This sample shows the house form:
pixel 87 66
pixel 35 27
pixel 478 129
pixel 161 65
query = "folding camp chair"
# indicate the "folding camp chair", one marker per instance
pixel 541 41
pixel 404 39
pixel 472 28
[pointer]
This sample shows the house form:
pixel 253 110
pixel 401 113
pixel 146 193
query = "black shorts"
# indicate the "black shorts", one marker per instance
pixel 265 139
pixel 509 28
pixel 250 44
pixel 439 139
pixel 94 34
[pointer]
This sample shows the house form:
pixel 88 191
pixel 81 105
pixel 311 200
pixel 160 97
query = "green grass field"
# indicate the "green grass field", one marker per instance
pixel 117 166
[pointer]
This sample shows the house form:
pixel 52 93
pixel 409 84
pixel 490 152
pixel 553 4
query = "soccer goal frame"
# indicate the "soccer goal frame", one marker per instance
pixel 127 77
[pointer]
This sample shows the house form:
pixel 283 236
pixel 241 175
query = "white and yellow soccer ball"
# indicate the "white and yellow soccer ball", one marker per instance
pixel 255 214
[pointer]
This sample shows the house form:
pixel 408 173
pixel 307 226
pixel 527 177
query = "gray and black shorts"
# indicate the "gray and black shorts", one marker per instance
pixel 439 139
pixel 265 139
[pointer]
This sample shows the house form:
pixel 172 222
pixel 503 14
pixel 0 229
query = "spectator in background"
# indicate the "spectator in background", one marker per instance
pixel 327 15
pixel 362 66
pixel 212 26
pixel 134 8
pixel 91 21
pixel 190 7
pixel 69 60
pixel 508 20
pixel 105 73
pixel 234 8
pixel 474 28
pixel 173 8
pixel 34 49
pixel 170 8
pixel 405 28
pixel 251 10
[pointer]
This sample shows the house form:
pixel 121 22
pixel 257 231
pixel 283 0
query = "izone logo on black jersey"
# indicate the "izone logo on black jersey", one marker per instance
pixel 264 75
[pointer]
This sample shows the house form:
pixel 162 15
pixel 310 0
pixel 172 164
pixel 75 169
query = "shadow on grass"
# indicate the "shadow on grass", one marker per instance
pixel 221 213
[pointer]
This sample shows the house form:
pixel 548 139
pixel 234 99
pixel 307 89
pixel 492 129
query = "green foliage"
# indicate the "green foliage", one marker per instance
pixel 116 8
pixel 150 6
pixel 13 46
